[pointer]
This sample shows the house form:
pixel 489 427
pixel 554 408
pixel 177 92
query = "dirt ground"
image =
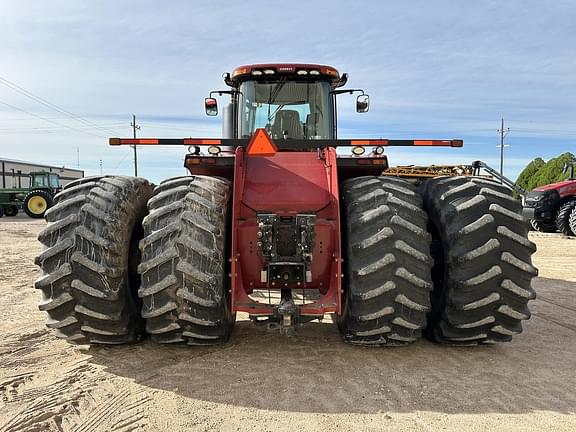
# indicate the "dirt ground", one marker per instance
pixel 263 382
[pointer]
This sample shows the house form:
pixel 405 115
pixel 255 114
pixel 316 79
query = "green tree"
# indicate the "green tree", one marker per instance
pixel 551 172
pixel 527 175
pixel 539 173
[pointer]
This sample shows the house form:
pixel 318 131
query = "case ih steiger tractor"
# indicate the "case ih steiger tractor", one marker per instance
pixel 274 222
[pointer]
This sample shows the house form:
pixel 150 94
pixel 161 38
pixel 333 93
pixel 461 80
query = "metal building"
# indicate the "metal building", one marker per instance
pixel 15 173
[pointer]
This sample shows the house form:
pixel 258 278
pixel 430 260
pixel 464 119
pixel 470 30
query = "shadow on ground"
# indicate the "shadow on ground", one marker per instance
pixel 316 372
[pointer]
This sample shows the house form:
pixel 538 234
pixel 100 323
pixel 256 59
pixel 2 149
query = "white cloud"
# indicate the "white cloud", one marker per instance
pixel 439 69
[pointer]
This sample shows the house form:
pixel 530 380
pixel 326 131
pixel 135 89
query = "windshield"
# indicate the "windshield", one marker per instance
pixel 287 109
pixel 54 181
pixel 40 180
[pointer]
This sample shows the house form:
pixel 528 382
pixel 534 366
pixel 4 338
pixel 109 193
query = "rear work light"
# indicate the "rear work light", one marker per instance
pixel 358 150
pixel 214 150
pixel 269 71
pixel 302 72
pixel 256 72
pixel 378 150
pixel 314 72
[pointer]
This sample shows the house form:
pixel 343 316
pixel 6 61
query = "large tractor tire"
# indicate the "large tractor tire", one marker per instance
pixel 89 282
pixel 185 289
pixel 563 218
pixel 37 202
pixel 547 226
pixel 482 261
pixel 387 262
pixel 572 221
pixel 11 210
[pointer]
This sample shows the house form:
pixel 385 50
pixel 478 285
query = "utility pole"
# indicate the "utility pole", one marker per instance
pixel 135 127
pixel 100 166
pixel 503 132
pixel 78 155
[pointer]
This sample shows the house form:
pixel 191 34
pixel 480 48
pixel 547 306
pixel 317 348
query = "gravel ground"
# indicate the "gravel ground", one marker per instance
pixel 261 381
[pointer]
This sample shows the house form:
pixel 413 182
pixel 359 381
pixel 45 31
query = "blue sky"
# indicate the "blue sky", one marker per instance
pixel 437 69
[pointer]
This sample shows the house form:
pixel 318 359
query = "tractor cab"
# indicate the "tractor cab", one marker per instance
pixel 289 101
pixel 45 180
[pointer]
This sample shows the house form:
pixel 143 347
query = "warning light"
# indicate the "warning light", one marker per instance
pixel 261 144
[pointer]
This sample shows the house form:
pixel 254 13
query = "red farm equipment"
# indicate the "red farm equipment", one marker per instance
pixel 275 222
pixel 552 207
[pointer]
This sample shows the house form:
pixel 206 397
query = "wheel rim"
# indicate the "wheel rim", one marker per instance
pixel 37 205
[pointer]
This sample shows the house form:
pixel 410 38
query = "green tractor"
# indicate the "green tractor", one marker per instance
pixel 35 200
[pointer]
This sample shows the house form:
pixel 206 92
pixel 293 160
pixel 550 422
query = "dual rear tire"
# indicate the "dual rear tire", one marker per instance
pixel 121 257
pixel 451 259
pixel 473 289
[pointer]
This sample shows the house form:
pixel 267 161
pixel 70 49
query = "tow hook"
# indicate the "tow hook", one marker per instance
pixel 287 310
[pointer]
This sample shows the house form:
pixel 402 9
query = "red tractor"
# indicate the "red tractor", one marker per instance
pixel 275 222
pixel 552 207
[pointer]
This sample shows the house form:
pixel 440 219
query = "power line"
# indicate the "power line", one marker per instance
pixel 51 121
pixel 156 126
pixel 51 105
pixel 46 128
pixel 121 160
pixel 28 119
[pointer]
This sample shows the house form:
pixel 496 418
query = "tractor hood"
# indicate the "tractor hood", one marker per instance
pixel 551 186
pixel 564 188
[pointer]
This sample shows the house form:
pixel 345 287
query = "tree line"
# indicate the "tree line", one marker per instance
pixel 539 173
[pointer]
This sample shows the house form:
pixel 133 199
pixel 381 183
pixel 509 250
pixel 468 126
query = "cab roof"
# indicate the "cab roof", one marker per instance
pixel 271 70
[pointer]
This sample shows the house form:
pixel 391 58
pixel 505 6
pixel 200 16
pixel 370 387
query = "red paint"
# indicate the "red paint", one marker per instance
pixel 137 141
pixel 565 188
pixel 387 142
pixel 289 182
pixel 286 184
pixel 381 142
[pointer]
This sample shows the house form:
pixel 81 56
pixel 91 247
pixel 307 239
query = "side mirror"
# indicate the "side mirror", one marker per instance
pixel 211 106
pixel 362 103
